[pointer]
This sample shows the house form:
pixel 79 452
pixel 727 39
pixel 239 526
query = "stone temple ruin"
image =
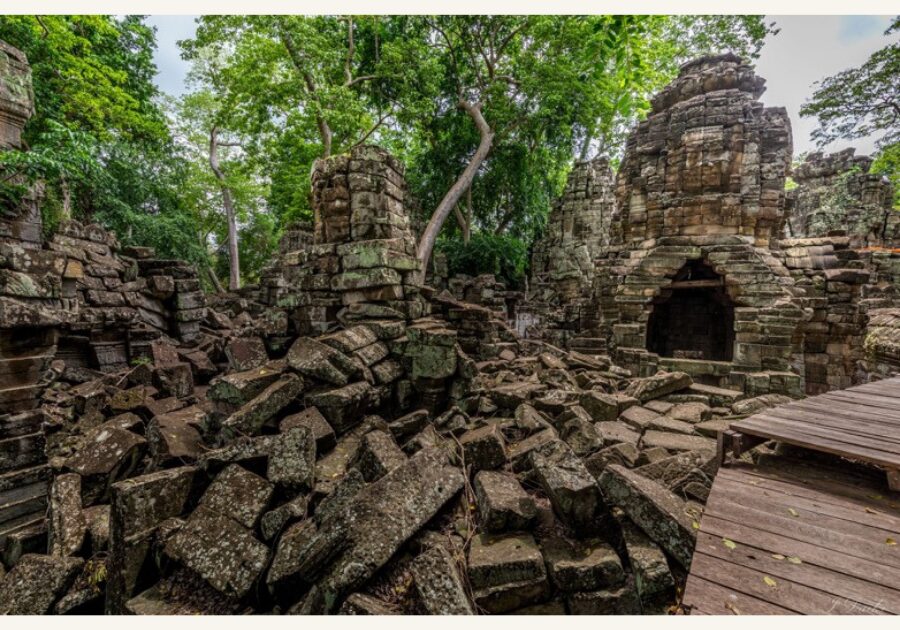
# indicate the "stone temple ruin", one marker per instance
pixel 344 438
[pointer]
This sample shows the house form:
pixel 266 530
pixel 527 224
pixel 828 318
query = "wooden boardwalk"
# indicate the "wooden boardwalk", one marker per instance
pixel 806 535
pixel 860 423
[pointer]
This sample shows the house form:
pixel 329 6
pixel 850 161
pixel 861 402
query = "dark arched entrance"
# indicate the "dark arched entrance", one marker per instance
pixel 693 318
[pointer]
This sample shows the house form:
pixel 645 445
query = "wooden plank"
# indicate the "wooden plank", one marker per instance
pixel 705 597
pixel 861 496
pixel 833 492
pixel 868 399
pixel 854 413
pixel 837 541
pixel 763 561
pixel 768 507
pixel 808 551
pixel 848 409
pixel 833 421
pixel 877 519
pixel 796 597
pixel 888 387
pixel 812 440
pixel 880 435
pixel 800 429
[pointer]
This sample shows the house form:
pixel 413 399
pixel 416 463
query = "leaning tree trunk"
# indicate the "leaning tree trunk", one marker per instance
pixel 448 203
pixel 234 279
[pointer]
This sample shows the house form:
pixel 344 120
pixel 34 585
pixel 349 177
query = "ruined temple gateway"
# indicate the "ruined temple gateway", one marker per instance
pixel 702 269
pixel 346 438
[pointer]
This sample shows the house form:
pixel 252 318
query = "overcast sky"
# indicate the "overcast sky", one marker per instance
pixel 806 50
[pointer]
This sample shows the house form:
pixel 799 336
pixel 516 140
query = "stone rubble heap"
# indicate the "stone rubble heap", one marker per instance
pixel 343 439
pixel 549 481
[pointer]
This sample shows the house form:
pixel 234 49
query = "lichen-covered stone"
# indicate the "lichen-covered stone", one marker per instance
pixel 36 583
pixel 587 565
pixel 107 455
pixel 238 494
pixel 66 524
pixel 250 418
pixel 502 503
pixel 220 550
pixel 506 572
pixel 484 448
pixel 378 455
pixel 658 512
pixel 292 459
pixel 437 583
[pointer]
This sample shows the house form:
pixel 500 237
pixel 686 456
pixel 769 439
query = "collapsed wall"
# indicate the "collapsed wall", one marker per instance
pixel 563 260
pixel 76 303
pixel 836 195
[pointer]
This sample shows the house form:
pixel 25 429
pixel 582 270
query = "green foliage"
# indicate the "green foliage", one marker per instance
pixel 887 163
pixel 860 101
pixel 279 90
pixel 504 256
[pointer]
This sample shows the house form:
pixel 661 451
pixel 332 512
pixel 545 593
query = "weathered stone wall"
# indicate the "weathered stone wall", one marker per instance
pixel 836 194
pixel 702 182
pixel 361 263
pixel 709 159
pixel 563 261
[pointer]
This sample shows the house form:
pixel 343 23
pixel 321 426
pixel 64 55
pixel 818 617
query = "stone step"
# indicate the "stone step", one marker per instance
pixel 21 451
pixel 23 477
pixel 27 534
pixel 23 501
pixel 20 424
pixel 19 398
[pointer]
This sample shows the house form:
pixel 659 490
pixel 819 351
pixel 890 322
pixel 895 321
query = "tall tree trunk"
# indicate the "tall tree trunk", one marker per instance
pixel 325 132
pixel 234 279
pixel 453 195
pixel 66 198
pixel 586 145
pixel 214 279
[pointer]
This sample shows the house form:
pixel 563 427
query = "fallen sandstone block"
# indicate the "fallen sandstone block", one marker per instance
pixel 506 572
pixel 249 419
pixel 502 503
pixel 66 526
pixel 220 550
pixel 355 541
pixel 653 508
pixel 658 385
pixel 36 583
pixel 238 494
pixel 437 583
pixel 106 456
pixel 587 565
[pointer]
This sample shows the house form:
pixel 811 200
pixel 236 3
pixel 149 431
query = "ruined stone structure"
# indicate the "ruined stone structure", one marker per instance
pixel 579 229
pixel 75 299
pixel 689 281
pixel 695 275
pixel 836 195
pixel 342 440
